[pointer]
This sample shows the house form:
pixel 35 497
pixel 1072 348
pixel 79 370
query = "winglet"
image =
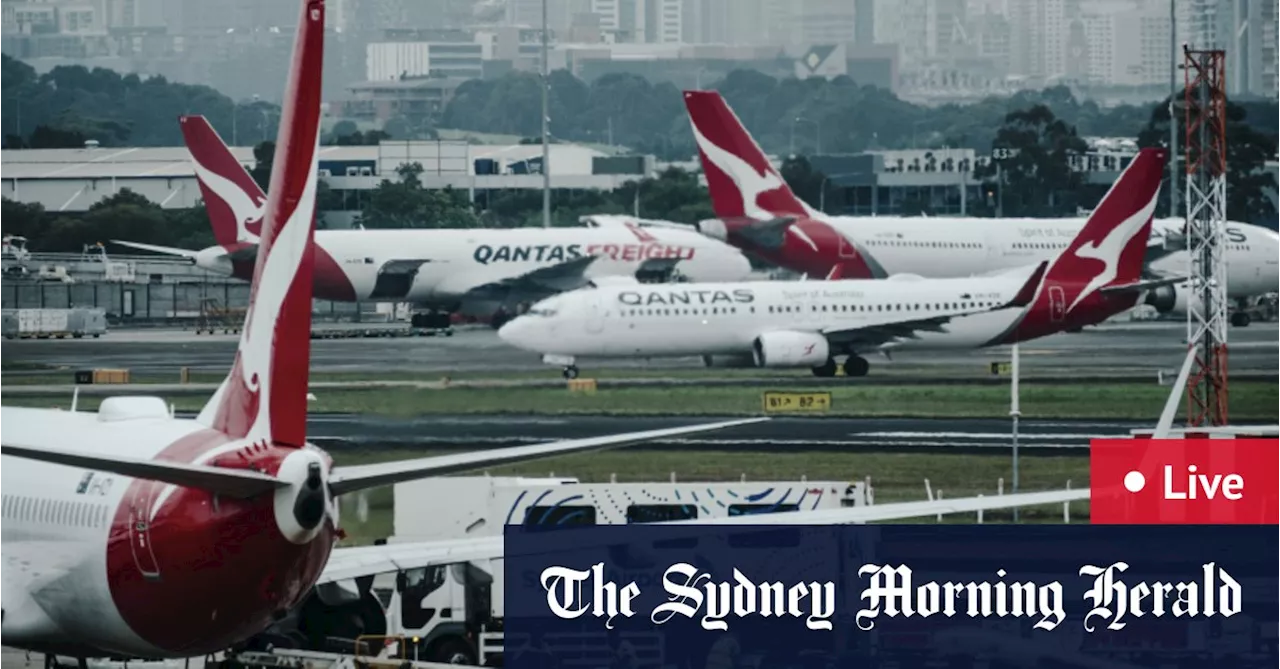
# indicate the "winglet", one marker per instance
pixel 1027 292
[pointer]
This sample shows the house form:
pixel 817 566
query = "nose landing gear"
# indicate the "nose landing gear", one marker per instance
pixel 570 372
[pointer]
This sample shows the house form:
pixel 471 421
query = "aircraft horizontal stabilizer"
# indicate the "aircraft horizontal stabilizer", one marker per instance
pixel 361 477
pixel 349 563
pixel 1145 285
pixel 1028 290
pixel 231 482
pixel 167 250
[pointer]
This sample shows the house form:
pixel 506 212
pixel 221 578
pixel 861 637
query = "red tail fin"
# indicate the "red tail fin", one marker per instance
pixel 233 200
pixel 265 396
pixel 1112 245
pixel 740 177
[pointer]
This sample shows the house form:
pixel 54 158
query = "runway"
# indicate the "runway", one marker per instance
pixel 352 431
pixel 1140 348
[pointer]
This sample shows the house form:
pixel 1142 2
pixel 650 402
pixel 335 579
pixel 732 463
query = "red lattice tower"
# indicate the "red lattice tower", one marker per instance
pixel 1206 211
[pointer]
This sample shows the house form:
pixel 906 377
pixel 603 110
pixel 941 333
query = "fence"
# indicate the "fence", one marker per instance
pixel 160 304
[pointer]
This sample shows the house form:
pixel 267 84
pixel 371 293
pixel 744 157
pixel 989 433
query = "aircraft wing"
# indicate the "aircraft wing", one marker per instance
pixel 355 562
pixel 167 250
pixel 1145 285
pixel 541 282
pixel 241 251
pixel 360 477
pixel 351 563
pixel 893 327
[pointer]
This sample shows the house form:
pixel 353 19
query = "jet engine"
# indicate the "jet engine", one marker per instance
pixel 791 349
pixel 1174 299
pixel 214 259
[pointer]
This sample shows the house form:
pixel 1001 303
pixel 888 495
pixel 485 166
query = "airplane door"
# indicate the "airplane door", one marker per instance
pixel 847 249
pixel 595 316
pixel 140 530
pixel 1057 304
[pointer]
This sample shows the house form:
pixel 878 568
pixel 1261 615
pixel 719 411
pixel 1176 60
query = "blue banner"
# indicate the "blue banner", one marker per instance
pixel 771 597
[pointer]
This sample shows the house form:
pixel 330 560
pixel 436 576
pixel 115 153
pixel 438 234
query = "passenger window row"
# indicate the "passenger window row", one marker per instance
pixel 925 245
pixel 54 512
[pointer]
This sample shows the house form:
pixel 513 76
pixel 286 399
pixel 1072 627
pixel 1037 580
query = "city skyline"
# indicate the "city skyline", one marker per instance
pixel 948 50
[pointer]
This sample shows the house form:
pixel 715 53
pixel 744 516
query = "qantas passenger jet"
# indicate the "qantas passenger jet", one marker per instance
pixel 476 272
pixel 131 533
pixel 757 211
pixel 810 324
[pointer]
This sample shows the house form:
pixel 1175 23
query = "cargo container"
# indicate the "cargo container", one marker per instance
pixel 76 322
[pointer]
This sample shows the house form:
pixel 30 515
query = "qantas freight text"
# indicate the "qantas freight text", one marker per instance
pixel 486 254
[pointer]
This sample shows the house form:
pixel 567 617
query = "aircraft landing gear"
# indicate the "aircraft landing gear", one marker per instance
pixel 1241 319
pixel 570 372
pixel 856 366
pixel 51 662
pixel 826 369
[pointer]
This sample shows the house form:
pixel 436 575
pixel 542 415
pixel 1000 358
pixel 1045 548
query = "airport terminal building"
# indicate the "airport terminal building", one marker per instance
pixel 939 181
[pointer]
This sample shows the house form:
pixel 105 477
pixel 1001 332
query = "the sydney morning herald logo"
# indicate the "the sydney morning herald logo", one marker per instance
pixel 1184 481
pixel 892 591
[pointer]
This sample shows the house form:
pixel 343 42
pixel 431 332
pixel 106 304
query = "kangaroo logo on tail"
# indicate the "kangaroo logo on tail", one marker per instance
pixel 758 190
pixel 244 209
pixel 1109 249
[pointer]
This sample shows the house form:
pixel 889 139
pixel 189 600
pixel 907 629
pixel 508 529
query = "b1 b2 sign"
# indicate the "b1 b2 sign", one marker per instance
pixel 1185 481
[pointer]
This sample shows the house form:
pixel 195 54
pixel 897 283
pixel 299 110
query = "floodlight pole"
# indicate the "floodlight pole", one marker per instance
pixel 546 130
pixel 1015 413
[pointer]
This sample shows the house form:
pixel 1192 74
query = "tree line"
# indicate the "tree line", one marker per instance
pixel 1042 129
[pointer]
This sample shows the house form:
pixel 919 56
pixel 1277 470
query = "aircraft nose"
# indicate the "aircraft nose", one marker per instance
pixel 518 332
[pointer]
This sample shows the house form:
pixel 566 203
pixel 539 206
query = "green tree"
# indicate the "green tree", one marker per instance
pixel 1249 147
pixel 406 204
pixel 264 154
pixel 1035 173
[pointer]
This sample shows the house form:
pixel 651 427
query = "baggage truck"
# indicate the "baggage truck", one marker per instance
pixel 454 612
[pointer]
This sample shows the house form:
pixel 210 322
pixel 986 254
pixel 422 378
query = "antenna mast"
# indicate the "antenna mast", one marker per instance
pixel 1206 222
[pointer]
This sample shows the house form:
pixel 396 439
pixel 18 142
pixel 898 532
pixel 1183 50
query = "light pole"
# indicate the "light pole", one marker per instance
pixel 546 123
pixel 1014 413
pixel 1173 116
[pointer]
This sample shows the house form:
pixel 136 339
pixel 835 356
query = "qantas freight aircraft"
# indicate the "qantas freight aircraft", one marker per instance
pixel 758 212
pixel 477 272
pixel 809 324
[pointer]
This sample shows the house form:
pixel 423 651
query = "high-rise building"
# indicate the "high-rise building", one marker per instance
pixel 924 30
pixel 1037 38
pixel 560 13
pixel 642 21
pixel 1126 43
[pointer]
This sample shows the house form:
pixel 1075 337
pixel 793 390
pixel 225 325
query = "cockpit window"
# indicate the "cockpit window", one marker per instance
pixel 543 312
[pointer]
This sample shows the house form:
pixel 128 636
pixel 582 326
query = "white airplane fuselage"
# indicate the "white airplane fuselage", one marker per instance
pixel 445 265
pixel 729 319
pixel 139 568
pixel 954 247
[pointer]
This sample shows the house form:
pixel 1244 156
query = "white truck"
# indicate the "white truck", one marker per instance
pixel 455 612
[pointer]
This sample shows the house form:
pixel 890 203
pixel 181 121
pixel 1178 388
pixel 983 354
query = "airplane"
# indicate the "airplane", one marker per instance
pixel 809 324
pixel 130 533
pixel 757 212
pixel 475 272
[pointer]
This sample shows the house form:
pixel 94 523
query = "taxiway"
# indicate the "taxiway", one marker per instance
pixel 1138 348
